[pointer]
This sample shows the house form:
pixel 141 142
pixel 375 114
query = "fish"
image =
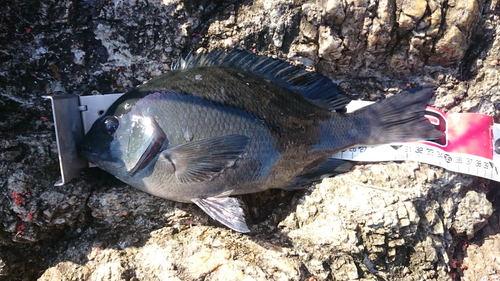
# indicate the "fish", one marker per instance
pixel 223 124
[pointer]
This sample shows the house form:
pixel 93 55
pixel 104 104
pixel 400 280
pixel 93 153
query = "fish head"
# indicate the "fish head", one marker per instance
pixel 123 142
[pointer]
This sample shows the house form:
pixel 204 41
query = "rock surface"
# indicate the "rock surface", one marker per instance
pixel 387 221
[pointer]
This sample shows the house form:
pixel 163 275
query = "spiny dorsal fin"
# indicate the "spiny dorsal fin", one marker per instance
pixel 313 86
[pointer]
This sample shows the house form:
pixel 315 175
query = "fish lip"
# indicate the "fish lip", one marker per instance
pixel 151 152
pixel 83 150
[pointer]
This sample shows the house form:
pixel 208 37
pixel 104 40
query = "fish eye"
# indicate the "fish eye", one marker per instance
pixel 110 125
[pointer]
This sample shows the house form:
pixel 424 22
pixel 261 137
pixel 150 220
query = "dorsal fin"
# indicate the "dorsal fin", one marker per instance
pixel 313 86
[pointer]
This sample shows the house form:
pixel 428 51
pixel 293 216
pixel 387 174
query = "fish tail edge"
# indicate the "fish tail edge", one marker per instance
pixel 401 118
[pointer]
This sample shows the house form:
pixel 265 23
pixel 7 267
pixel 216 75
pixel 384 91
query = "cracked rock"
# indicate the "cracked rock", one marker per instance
pixel 378 221
pixel 469 220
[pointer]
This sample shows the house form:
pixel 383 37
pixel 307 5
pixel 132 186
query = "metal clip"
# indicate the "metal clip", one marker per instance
pixel 73 117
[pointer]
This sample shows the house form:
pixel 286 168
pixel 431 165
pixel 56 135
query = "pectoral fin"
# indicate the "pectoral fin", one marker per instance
pixel 226 210
pixel 202 160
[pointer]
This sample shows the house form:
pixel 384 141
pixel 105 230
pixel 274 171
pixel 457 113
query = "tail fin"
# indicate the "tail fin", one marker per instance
pixel 401 118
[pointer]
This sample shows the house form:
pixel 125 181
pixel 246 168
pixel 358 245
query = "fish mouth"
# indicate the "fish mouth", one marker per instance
pixel 154 147
pixel 101 159
pixel 84 150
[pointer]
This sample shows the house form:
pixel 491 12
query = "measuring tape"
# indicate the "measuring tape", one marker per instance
pixel 470 145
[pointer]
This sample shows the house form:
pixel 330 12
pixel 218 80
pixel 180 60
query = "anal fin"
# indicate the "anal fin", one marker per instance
pixel 226 210
pixel 331 167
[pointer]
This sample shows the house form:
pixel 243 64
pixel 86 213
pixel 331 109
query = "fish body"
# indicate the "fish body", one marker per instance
pixel 234 123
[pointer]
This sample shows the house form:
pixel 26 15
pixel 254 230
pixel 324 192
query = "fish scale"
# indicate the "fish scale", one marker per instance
pixel 205 122
pixel 235 123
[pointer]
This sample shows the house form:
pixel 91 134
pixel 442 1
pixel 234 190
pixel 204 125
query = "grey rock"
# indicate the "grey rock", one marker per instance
pixel 387 221
pixel 469 220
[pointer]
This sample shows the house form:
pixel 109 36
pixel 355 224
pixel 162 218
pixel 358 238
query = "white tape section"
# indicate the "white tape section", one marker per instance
pixel 470 146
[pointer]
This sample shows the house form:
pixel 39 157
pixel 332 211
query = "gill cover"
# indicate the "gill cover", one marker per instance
pixel 145 140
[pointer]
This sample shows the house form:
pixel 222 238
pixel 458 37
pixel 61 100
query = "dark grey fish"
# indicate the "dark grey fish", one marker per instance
pixel 235 123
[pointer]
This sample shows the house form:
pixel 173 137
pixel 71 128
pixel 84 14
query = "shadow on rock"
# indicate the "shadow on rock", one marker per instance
pixel 356 225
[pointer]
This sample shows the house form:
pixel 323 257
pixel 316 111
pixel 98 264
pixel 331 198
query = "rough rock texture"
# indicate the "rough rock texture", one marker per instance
pixel 385 221
pixel 355 37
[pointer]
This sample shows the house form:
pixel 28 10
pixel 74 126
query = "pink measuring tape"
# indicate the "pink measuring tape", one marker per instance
pixel 469 146
pixel 467 133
